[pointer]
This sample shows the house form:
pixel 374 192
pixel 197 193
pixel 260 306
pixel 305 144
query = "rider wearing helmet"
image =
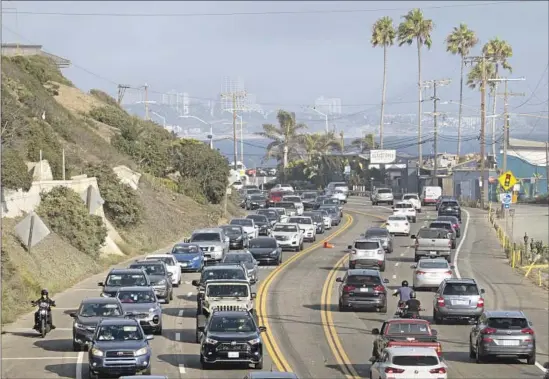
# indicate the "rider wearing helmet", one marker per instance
pixel 413 305
pixel 404 293
pixel 44 297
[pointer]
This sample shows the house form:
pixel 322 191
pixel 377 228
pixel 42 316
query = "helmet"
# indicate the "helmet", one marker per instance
pixel 412 295
pixel 404 283
pixel 44 292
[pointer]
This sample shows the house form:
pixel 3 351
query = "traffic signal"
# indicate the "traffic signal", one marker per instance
pixel 507 181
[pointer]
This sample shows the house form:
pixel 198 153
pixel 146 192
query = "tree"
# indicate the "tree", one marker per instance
pixel 383 34
pixel 460 42
pixel 365 143
pixel 415 28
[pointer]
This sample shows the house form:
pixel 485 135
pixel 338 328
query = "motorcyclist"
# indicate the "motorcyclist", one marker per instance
pixel 44 297
pixel 404 292
pixel 412 306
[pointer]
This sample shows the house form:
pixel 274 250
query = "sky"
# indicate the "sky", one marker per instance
pixel 287 60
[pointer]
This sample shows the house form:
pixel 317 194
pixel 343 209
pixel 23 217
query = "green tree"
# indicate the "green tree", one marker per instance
pixel 460 42
pixel 365 143
pixel 383 35
pixel 15 174
pixel 416 28
pixel 317 144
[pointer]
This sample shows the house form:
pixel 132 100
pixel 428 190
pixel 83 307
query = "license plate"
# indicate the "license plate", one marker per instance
pixel 183 264
pixel 432 253
pixel 508 342
pixel 364 290
pixel 460 302
pixel 233 354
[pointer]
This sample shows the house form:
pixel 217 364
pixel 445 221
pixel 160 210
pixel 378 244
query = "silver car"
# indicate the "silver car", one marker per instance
pixel 458 299
pixel 383 235
pixel 246 259
pixel 383 195
pixel 429 273
pixel 367 253
pixel 142 304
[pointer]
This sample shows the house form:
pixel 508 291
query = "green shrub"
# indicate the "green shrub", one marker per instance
pixel 104 97
pixel 42 137
pixel 15 174
pixel 122 205
pixel 41 68
pixel 192 189
pixel 65 213
pixel 112 116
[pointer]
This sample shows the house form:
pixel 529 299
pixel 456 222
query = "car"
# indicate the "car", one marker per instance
pixel 271 214
pixel 212 241
pixel 283 188
pixel 288 236
pixel 430 194
pixel 297 201
pixel 250 187
pixel 160 278
pixel 407 209
pixel 362 288
pixel 338 194
pixel 383 235
pixel 225 295
pixel 255 201
pixel 383 195
pixel 306 225
pixel 408 362
pixel 237 185
pixel 334 202
pixel 318 220
pixel 171 264
pixel 123 277
pixel 455 223
pixel 119 347
pixel 398 225
pixel 429 273
pixel 263 224
pixel 414 199
pixel 247 260
pixel 326 218
pixel 189 256
pixel 217 273
pixel 439 199
pixel 238 238
pixel 318 201
pixel 274 197
pixel 308 200
pixel 449 226
pixel 231 337
pixel 289 206
pixel 432 243
pixel 334 212
pixel 342 186
pixel 248 225
pixel 450 208
pixel 142 304
pixel 282 214
pixel 458 299
pixel 502 333
pixel 367 253
pixel 265 250
pixel 88 315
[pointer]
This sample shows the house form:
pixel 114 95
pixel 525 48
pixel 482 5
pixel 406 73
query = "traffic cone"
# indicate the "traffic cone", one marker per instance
pixel 328 245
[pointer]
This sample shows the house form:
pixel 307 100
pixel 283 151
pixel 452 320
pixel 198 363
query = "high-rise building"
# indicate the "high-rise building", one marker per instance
pixel 233 85
pixel 329 106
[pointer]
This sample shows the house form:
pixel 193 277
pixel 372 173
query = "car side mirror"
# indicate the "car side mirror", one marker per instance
pixel 372 359
pixel 101 284
pixel 413 266
pixel 200 328
pixel 546 365
pixel 434 332
pixel 149 337
pixel 350 247
pixel 413 237
pixel 253 281
pixel 375 331
pixel 170 274
pixel 72 314
pixel 195 282
pixel 452 267
pixel 385 280
pixel 262 329
pixel 482 290
pixel 339 280
pixel 254 295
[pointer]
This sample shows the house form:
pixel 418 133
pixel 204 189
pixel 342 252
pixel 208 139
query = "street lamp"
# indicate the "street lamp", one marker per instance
pixel 325 117
pixel 210 136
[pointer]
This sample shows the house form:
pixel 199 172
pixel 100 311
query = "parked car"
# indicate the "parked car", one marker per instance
pixel 362 288
pixel 458 299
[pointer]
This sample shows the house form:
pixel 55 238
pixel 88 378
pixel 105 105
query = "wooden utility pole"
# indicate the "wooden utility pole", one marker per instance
pixel 146 102
pixel 121 91
pixel 547 164
pixel 236 98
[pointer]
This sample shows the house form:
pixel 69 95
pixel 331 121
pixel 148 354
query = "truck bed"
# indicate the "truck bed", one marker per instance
pixel 436 247
pixel 414 341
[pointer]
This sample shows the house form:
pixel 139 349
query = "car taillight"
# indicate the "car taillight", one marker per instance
pixel 419 272
pixel 348 288
pixel 449 272
pixel 489 331
pixel 440 301
pixel 450 244
pixel 379 289
pixel 439 350
pixel 527 331
pixel 392 370
pixel 480 303
pixel 416 243
pixel 455 226
pixel 440 370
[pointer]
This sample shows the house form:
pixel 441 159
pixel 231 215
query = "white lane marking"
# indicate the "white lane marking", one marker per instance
pixel 79 361
pixel 180 313
pixel 187 282
pixel 178 336
pixel 394 276
pixel 76 357
pixel 396 264
pixel 182 369
pixel 189 294
pixel 401 254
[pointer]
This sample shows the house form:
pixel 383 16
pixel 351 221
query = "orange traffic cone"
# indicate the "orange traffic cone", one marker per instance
pixel 328 245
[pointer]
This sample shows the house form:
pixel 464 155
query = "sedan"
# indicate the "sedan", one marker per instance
pixel 255 201
pixel 398 224
pixel 334 213
pixel 455 223
pixel 266 250
pixel 245 258
pixel 263 224
pixel 171 264
pixel 429 273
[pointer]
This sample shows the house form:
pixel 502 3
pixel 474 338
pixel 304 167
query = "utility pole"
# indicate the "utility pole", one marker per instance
pixel 146 102
pixel 236 97
pixel 547 164
pixel 121 91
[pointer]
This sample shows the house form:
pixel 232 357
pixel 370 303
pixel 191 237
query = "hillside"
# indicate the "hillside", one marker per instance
pixel 181 188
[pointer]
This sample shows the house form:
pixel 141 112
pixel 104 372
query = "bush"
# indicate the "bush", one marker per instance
pixel 15 174
pixel 65 213
pixel 104 97
pixel 112 116
pixel 42 68
pixel 42 137
pixel 122 205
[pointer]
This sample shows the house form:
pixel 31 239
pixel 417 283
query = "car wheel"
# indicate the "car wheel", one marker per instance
pixel 171 294
pixel 531 360
pixel 158 330
pixel 203 363
pixel 382 267
pixel 478 357
pixel 91 375
pixel 167 300
pixel 147 371
pixel 301 246
pixel 414 220
pixel 436 318
pixel 259 365
pixel 198 337
pixel 472 353
pixel 449 259
pixel 76 346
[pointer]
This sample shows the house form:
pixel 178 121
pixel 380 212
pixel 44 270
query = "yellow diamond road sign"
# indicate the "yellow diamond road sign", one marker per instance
pixel 507 180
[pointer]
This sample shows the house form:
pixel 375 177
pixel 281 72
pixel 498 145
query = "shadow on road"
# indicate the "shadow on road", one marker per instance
pixel 65 370
pixel 318 307
pixel 64 345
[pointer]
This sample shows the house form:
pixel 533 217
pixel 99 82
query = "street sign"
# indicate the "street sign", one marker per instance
pixel 507 198
pixel 507 180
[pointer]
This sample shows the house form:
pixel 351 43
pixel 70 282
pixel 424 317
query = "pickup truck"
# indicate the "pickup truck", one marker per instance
pixel 432 243
pixel 405 333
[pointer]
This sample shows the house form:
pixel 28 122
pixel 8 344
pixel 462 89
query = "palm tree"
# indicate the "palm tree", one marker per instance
pixel 365 143
pixel 383 34
pixel 415 28
pixel 460 42
pixel 284 137
pixel 317 144
pixel 498 51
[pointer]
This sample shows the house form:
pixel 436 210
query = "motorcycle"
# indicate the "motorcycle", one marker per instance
pixel 402 311
pixel 44 324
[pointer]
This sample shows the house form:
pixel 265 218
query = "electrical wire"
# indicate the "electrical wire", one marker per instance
pixel 533 93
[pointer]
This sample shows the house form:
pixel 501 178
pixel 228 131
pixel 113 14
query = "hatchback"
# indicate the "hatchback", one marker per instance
pixel 429 273
pixel 363 288
pixel 502 333
pixel 458 299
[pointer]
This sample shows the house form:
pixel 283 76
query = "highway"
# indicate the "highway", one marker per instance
pixel 297 302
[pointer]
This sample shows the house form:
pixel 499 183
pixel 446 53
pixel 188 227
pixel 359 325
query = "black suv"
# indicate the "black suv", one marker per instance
pixel 123 277
pixel 231 337
pixel 362 288
pixel 450 208
pixel 263 224
pixel 238 239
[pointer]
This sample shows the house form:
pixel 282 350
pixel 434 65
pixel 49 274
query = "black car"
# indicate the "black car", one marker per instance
pixel 263 224
pixel 231 337
pixel 119 347
pixel 123 277
pixel 255 201
pixel 88 315
pixel 266 250
pixel 443 199
pixel 450 208
pixel 317 219
pixel 362 288
pixel 238 238
pixel 271 214
pixel 161 279
pixel 308 199
pixel 455 223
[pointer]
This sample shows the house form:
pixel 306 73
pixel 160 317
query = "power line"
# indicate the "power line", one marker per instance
pixel 535 89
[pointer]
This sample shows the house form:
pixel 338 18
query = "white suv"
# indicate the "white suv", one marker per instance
pixel 414 199
pixel 405 208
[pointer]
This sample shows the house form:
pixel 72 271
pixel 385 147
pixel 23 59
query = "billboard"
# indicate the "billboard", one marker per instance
pixel 382 156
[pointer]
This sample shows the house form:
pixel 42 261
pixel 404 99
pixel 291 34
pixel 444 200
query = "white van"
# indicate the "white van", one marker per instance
pixel 430 194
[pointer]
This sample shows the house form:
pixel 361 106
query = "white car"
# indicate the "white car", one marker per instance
pixel 237 185
pixel 338 194
pixel 408 362
pixel 414 199
pixel 171 263
pixel 297 201
pixel 398 224
pixel 283 188
pixel 405 208
pixel 326 219
pixel 249 226
pixel 288 236
pixel 306 225
pixel 282 213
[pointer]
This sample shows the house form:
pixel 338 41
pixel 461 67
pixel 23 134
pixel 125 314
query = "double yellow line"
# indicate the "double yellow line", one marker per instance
pixel 261 303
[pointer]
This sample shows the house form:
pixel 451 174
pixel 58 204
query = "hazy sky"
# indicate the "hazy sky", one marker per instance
pixel 285 59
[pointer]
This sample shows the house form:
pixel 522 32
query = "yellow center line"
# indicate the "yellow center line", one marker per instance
pixel 270 344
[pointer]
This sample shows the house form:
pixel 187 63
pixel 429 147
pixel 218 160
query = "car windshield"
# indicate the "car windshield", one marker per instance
pixel 461 289
pixel 403 206
pixel 441 225
pixel 285 228
pixel 452 219
pixel 408 328
pixel 231 324
pixel 253 191
pixel 301 220
pixel 449 204
pixel 366 245
pixel 237 258
pixel 257 197
pixel 151 269
pixel 286 205
pixel 281 211
pixel 232 230
pixel 126 280
pixel 331 211
pixel 384 190
pixel 356 280
pixel 508 323
pixel 136 297
pixel 410 197
pixel 242 222
pixel 167 260
pixel 415 360
pixel 119 333
pixel 263 243
pixel 309 196
pixel 376 233
pixel 258 218
pixel 295 199
pixel 314 216
pixel 227 290
pixel 432 234
pixel 206 237
pixel 330 201
pixel 99 310
pixel 189 249
pixel 433 264
pixel 397 218
pixel 271 215
pixel 223 274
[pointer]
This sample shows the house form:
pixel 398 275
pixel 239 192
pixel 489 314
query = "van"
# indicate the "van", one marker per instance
pixel 341 186
pixel 430 194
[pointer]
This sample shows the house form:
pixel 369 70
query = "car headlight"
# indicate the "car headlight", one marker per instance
pixel 380 251
pixel 79 326
pixel 140 352
pixel 103 294
pixel 161 283
pixel 195 258
pixel 274 252
pixel 96 352
pixel 152 310
pixel 210 341
pixel 255 341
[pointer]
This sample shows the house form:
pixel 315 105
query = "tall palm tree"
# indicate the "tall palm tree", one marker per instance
pixel 499 51
pixel 460 42
pixel 415 28
pixel 284 137
pixel 365 143
pixel 383 34
pixel 315 144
